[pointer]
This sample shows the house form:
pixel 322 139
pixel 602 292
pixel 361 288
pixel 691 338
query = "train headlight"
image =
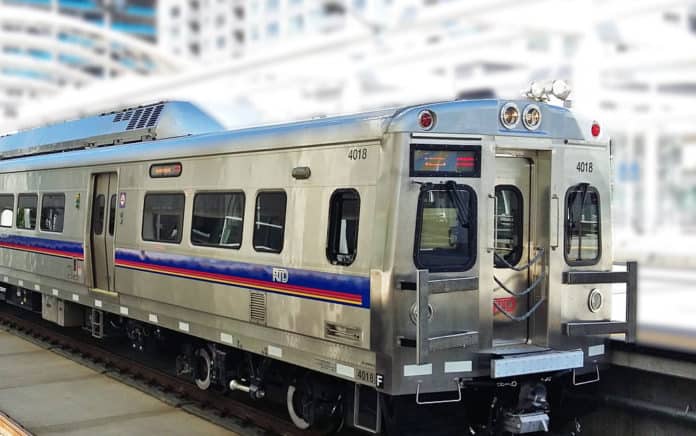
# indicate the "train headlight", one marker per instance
pixel 595 300
pixel 531 117
pixel 510 115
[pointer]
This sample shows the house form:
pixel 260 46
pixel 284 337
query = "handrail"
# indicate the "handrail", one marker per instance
pixel 534 260
pixel 520 293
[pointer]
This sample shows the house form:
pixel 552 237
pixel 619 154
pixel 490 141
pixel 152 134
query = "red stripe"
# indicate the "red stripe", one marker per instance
pixel 222 277
pixel 42 250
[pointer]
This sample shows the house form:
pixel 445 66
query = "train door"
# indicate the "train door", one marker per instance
pixel 513 245
pixel 102 231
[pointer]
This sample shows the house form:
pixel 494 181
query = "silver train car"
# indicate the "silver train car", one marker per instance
pixel 391 260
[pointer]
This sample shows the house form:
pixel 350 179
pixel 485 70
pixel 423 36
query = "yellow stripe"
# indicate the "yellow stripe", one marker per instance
pixel 244 285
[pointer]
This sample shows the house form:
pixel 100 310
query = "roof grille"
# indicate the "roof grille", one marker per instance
pixel 118 116
pixel 134 119
pixel 145 116
pixel 155 116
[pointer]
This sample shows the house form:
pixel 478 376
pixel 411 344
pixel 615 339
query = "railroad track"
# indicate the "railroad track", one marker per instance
pixel 222 405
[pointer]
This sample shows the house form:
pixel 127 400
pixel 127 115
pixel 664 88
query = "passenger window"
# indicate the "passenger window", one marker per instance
pixel 52 212
pixel 26 211
pixel 163 217
pixel 6 210
pixel 582 227
pixel 508 226
pixel 446 228
pixel 218 219
pixel 269 222
pixel 112 214
pixel 344 215
pixel 98 215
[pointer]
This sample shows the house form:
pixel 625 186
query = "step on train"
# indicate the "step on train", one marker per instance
pixel 452 259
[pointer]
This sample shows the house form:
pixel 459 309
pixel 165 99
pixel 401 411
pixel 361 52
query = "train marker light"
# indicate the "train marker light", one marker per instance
pixel 510 115
pixel 595 300
pixel 426 119
pixel 595 129
pixel 531 117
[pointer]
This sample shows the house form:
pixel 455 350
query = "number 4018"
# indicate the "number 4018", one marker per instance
pixel 584 167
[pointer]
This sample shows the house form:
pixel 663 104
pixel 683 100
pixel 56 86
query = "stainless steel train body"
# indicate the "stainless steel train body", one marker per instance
pixel 406 250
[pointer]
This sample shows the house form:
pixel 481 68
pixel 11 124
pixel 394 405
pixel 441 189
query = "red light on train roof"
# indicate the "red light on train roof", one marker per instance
pixel 595 129
pixel 426 119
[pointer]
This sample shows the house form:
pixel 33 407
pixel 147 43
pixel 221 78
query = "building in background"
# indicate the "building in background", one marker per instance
pixel 261 61
pixel 202 30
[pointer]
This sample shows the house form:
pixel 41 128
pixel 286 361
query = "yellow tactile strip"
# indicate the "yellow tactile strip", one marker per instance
pixel 10 428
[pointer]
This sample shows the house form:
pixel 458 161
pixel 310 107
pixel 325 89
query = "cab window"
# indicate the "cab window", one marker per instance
pixel 508 226
pixel 582 225
pixel 446 228
pixel 344 215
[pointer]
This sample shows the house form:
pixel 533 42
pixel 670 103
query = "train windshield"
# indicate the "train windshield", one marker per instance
pixel 446 228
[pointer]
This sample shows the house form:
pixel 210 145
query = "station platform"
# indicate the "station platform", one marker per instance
pixel 43 393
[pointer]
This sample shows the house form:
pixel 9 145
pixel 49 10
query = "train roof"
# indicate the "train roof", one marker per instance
pixel 156 121
pixel 182 130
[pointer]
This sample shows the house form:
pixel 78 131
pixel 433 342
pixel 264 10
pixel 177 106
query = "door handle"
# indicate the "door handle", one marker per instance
pixel 555 225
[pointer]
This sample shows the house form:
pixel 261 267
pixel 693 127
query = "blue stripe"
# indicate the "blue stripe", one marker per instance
pixel 42 243
pixel 354 285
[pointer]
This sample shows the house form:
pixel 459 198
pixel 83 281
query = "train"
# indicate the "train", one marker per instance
pixel 355 268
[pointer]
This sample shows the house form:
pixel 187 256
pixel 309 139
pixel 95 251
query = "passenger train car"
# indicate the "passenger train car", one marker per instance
pixel 455 252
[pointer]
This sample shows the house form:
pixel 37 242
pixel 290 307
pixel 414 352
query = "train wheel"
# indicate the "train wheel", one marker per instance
pixel 203 368
pixel 314 405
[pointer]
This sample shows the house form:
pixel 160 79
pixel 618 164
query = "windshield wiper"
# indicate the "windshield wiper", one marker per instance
pixel 462 209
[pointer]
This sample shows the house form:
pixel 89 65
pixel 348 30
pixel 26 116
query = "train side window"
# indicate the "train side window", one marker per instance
pixel 582 225
pixel 269 221
pixel 98 215
pixel 344 215
pixel 163 217
pixel 52 212
pixel 26 211
pixel 112 214
pixel 218 219
pixel 6 210
pixel 446 228
pixel 508 225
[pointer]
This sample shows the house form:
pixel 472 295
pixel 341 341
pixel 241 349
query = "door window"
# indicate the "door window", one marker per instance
pixel 112 214
pixel 98 215
pixel 582 225
pixel 509 228
pixel 446 228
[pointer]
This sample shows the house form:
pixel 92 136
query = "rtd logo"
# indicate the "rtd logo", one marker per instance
pixel 280 275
